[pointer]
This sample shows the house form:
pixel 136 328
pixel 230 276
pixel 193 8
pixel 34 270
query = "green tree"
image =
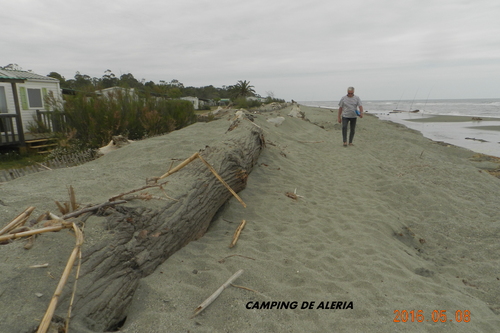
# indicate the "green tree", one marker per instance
pixel 129 81
pixel 242 89
pixel 174 92
pixel 109 80
pixel 81 82
pixel 62 80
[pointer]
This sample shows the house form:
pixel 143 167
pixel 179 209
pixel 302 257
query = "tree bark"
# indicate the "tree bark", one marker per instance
pixel 143 238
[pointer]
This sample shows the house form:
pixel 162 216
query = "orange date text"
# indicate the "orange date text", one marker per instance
pixel 436 316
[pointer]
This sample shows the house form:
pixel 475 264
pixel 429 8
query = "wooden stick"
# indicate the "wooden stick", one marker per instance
pixel 29 244
pixel 171 164
pixel 19 229
pixel 60 207
pixel 72 199
pixel 191 159
pixel 39 219
pixel 216 294
pixel 166 195
pixel 241 287
pixel 180 166
pixel 44 325
pixel 54 217
pixel 233 255
pixel 222 180
pixel 18 220
pixel 146 196
pixel 33 232
pixel 77 275
pixel 66 207
pixel 136 190
pixel 90 209
pixel 237 233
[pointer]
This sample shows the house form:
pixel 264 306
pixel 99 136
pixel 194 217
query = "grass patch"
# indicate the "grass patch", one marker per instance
pixel 14 160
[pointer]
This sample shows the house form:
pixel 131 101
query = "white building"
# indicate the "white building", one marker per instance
pixel 22 94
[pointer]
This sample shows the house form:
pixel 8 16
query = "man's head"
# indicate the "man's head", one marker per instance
pixel 350 91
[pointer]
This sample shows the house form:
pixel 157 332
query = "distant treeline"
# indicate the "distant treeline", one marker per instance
pixel 90 119
pixel 172 89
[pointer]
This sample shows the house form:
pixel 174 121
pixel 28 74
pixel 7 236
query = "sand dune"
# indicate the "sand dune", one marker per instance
pixel 396 222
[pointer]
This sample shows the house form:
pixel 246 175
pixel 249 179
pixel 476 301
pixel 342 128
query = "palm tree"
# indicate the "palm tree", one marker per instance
pixel 243 89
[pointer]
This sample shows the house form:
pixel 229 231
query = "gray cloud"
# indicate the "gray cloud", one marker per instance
pixel 305 50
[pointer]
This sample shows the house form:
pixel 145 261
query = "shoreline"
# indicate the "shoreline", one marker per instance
pixel 479 134
pixel 460 130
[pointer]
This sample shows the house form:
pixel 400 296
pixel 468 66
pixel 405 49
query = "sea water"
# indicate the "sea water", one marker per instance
pixel 459 107
pixel 477 135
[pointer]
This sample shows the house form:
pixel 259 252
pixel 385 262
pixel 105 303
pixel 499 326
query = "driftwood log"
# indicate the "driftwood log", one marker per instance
pixel 144 237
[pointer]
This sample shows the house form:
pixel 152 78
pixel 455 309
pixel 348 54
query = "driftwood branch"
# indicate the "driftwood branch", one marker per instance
pixel 44 325
pixel 19 220
pixel 72 199
pixel 74 289
pixel 223 260
pixel 194 157
pixel 222 180
pixel 237 233
pixel 32 232
pixel 216 294
pixel 91 209
pixel 245 288
pixel 136 190
pixel 180 166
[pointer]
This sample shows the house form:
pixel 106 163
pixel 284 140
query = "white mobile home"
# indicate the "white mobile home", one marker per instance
pixel 22 94
pixel 194 100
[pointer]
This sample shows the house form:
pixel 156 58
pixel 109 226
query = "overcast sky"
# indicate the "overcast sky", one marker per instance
pixel 296 49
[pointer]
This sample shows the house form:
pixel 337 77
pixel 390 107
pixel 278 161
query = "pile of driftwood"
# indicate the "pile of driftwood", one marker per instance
pixel 108 272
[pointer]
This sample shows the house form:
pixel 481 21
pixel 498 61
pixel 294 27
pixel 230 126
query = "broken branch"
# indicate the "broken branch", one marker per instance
pixel 222 180
pixel 93 208
pixel 216 294
pixel 233 255
pixel 44 325
pixel 136 190
pixel 191 159
pixel 237 233
pixel 33 232
pixel 180 166
pixel 19 220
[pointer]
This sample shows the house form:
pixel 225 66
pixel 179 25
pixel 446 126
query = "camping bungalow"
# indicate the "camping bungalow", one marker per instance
pixel 114 92
pixel 194 100
pixel 22 95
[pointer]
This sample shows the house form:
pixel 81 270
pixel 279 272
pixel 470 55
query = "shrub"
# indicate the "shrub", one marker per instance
pixel 270 100
pixel 95 119
pixel 244 103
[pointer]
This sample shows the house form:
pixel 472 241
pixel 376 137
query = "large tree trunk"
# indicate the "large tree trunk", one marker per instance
pixel 143 238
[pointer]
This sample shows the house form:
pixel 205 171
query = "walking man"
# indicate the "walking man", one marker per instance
pixel 348 114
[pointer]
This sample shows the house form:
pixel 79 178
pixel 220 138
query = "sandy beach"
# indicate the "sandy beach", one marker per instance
pixel 389 235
